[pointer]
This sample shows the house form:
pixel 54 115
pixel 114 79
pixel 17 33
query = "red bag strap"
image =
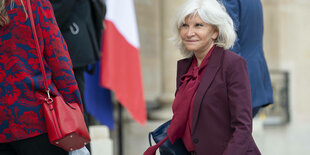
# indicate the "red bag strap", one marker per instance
pixel 38 47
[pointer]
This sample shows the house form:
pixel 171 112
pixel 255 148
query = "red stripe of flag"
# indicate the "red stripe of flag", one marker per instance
pixel 121 72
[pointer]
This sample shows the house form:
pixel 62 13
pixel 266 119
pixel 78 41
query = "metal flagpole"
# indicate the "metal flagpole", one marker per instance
pixel 120 129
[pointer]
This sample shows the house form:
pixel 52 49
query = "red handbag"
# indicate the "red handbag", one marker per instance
pixel 64 121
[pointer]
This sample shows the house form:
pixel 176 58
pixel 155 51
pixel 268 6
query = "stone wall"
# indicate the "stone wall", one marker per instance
pixel 149 27
pixel 287 48
pixel 158 55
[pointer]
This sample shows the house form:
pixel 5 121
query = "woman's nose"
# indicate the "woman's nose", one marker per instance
pixel 190 32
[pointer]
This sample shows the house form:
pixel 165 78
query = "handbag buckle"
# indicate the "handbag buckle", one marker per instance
pixel 49 100
pixel 48 94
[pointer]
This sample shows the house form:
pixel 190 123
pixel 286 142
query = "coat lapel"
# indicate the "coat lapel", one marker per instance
pixel 183 66
pixel 207 78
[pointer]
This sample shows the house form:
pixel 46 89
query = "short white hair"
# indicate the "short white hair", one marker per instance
pixel 211 12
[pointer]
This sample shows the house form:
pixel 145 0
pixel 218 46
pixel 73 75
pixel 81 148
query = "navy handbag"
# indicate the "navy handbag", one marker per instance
pixel 167 148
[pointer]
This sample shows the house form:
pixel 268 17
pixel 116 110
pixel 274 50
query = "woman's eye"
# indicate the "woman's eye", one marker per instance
pixel 198 25
pixel 184 25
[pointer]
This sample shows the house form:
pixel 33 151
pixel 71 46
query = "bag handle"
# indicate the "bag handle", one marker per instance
pixel 150 141
pixel 38 50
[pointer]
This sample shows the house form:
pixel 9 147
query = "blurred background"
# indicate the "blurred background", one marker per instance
pixel 282 128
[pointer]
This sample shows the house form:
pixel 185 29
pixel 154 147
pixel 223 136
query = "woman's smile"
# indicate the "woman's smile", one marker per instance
pixel 196 35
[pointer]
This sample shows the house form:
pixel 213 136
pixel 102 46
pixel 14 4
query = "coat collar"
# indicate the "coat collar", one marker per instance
pixel 183 66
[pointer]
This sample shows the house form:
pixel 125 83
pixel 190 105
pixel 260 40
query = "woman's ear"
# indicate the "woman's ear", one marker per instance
pixel 215 33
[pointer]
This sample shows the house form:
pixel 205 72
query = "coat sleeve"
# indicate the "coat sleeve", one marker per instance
pixel 233 9
pixel 57 56
pixel 239 100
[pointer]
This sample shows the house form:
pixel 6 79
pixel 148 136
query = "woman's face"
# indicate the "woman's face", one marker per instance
pixel 196 35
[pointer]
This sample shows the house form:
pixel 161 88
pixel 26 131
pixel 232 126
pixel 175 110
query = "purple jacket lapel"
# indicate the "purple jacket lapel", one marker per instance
pixel 207 78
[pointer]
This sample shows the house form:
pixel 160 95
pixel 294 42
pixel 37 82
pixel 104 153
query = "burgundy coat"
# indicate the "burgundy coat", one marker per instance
pixel 222 112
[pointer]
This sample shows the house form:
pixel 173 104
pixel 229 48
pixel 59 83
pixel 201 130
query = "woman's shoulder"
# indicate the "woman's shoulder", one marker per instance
pixel 232 57
pixel 185 60
pixel 41 3
pixel 40 6
pixel 232 61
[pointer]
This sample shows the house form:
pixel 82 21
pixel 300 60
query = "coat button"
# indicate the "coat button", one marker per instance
pixel 195 140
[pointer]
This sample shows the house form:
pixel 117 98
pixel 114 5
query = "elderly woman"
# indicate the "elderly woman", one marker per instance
pixel 212 109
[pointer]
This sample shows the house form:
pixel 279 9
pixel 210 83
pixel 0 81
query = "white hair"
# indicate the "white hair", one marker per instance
pixel 211 12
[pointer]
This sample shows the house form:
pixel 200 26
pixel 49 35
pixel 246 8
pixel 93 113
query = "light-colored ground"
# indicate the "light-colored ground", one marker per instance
pixel 291 139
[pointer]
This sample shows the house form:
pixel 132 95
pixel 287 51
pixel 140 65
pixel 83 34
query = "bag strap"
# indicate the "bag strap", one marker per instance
pixel 152 149
pixel 38 48
pixel 150 135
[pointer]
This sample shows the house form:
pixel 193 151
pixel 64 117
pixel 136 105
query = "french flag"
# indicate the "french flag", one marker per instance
pixel 120 67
